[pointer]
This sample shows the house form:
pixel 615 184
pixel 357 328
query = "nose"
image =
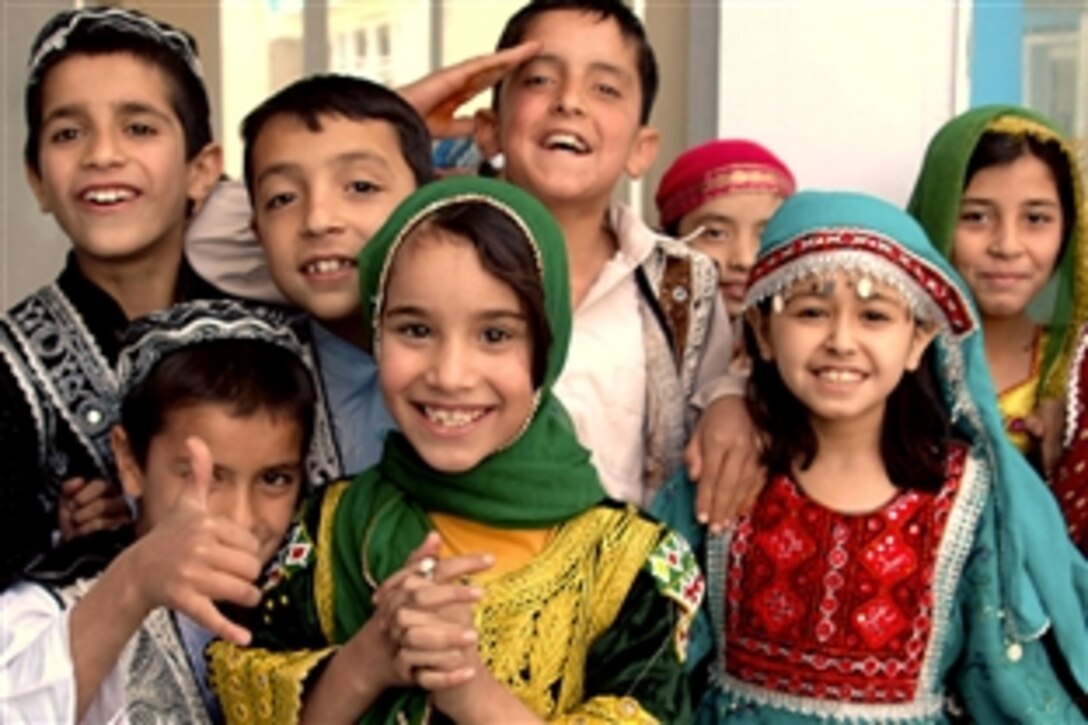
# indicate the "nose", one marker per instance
pixel 568 100
pixel 1005 242
pixel 103 149
pixel 840 337
pixel 743 253
pixel 322 215
pixel 236 503
pixel 452 367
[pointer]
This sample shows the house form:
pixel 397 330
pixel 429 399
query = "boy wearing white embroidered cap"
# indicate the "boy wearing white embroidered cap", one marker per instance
pixel 120 166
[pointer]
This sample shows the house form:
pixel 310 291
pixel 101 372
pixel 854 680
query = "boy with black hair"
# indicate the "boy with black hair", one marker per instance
pixel 326 160
pixel 650 332
pixel 198 379
pixel 120 165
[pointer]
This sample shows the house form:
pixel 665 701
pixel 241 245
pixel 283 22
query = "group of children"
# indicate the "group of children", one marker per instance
pixel 416 489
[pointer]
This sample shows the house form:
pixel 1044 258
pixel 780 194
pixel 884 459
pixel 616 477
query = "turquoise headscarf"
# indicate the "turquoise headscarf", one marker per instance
pixel 1044 581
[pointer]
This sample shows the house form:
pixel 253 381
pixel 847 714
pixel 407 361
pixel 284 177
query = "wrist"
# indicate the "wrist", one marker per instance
pixel 128 585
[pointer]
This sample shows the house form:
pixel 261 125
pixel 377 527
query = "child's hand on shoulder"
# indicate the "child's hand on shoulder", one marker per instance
pixel 192 559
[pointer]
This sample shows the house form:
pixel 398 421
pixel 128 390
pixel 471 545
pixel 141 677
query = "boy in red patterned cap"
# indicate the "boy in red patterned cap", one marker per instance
pixel 719 196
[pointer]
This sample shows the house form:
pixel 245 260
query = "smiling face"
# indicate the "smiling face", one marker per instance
pixel 455 354
pixel 731 226
pixel 256 485
pixel 1008 235
pixel 112 166
pixel 318 198
pixel 839 354
pixel 568 120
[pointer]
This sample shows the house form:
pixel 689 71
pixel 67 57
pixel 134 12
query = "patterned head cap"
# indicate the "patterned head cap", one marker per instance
pixel 85 23
pixel 718 168
pixel 151 338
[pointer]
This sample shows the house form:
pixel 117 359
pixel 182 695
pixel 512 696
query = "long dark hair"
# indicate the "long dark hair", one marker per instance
pixel 914 437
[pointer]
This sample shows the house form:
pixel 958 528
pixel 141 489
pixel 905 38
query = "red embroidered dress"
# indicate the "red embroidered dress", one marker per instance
pixel 833 606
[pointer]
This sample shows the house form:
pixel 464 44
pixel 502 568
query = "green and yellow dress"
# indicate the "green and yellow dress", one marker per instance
pixel 587 613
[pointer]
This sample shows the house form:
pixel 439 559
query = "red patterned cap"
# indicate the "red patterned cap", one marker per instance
pixel 716 168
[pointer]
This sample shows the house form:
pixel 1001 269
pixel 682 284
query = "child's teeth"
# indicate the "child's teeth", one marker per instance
pixel 108 196
pixel 327 266
pixel 841 376
pixel 452 418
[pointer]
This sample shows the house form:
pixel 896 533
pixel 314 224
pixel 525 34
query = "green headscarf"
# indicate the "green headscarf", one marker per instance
pixel 541 479
pixel 935 203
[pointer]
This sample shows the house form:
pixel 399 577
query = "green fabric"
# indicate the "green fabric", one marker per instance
pixel 545 476
pixel 935 203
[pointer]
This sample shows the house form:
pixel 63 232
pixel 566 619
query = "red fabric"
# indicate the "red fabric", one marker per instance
pixel 1070 478
pixel 834 606
pixel 716 168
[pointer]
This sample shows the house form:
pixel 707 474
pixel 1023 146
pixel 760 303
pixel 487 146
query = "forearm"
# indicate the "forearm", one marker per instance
pixel 100 626
pixel 349 685
pixel 486 702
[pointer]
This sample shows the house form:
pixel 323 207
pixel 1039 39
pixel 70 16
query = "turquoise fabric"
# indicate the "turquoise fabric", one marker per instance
pixel 1022 577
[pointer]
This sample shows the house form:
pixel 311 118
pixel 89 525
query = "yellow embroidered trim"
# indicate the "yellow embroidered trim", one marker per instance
pixel 606 709
pixel 258 686
pixel 323 581
pixel 559 604
pixel 1053 386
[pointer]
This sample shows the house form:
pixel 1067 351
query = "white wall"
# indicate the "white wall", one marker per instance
pixel 847 92
pixel 32 247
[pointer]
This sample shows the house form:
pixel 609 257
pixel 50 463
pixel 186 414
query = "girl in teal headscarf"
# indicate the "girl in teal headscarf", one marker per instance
pixel 1001 195
pixel 903 556
pixel 580 607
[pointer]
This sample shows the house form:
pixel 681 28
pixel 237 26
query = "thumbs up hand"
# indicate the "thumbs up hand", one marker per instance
pixel 193 558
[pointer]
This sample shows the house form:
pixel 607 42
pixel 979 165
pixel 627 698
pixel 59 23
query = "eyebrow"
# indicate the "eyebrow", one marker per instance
pixel 347 158
pixel 125 108
pixel 714 217
pixel 597 65
pixel 992 203
pixel 416 311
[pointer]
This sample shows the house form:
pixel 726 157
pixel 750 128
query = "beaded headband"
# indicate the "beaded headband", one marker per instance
pixel 872 258
pixel 119 20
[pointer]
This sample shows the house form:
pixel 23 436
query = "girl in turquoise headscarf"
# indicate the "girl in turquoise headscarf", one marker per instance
pixel 1001 195
pixel 379 609
pixel 903 556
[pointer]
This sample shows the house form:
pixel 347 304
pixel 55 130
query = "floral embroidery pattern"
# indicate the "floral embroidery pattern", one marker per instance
pixel 834 606
pixel 679 578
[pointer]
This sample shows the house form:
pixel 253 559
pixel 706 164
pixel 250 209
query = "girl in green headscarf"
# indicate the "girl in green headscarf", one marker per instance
pixel 1000 194
pixel 578 609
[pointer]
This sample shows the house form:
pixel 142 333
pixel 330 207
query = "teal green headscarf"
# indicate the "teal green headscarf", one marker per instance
pixel 935 203
pixel 1043 580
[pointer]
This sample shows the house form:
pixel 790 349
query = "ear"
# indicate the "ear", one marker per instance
pixel 761 329
pixel 643 152
pixel 486 132
pixel 132 478
pixel 924 332
pixel 204 171
pixel 36 186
